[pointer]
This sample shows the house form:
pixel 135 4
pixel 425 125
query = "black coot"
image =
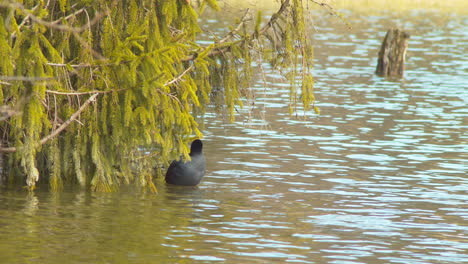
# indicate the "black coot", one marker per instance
pixel 188 173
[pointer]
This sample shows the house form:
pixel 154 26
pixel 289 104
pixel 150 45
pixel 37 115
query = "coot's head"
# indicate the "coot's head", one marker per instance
pixel 196 147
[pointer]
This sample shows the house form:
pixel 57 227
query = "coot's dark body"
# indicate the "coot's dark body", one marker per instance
pixel 188 173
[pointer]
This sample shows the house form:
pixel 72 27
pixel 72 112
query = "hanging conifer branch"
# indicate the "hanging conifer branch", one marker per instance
pixel 72 118
pixel 60 128
pixel 223 48
pixel 282 11
pixel 54 24
pixel 140 60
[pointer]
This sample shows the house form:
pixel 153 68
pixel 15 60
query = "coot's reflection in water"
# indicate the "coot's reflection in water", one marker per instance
pixel 185 193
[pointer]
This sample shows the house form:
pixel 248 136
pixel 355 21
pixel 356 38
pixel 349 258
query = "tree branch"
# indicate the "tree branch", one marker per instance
pixel 54 24
pixel 332 12
pixel 271 22
pixel 274 17
pixel 179 77
pixel 25 78
pixel 83 93
pixel 234 31
pixel 72 65
pixel 60 128
pixel 69 16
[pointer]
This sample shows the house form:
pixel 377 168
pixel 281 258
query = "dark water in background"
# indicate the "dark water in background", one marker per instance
pixel 378 177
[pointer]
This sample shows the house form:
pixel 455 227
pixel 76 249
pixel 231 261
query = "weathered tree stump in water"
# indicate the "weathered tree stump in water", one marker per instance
pixel 392 54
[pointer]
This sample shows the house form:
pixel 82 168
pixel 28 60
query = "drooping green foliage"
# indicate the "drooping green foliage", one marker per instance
pixel 107 90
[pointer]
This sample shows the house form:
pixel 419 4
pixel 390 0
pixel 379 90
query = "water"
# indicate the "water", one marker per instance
pixel 378 177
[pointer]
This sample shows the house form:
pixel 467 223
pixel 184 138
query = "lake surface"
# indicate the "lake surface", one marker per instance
pixel 380 176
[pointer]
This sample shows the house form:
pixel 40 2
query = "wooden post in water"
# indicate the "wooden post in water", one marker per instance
pixel 392 54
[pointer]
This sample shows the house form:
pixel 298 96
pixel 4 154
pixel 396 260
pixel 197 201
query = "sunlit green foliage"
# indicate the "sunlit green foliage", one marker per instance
pixel 107 90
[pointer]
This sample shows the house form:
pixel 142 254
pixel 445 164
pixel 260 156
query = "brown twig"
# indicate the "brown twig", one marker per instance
pixel 54 24
pixel 69 16
pixel 60 128
pixel 332 12
pixel 72 117
pixel 25 19
pixel 271 22
pixel 71 65
pixel 84 93
pixel 274 17
pixel 145 156
pixel 61 27
pixel 7 112
pixel 234 31
pixel 25 78
pixel 323 4
pixel 179 77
